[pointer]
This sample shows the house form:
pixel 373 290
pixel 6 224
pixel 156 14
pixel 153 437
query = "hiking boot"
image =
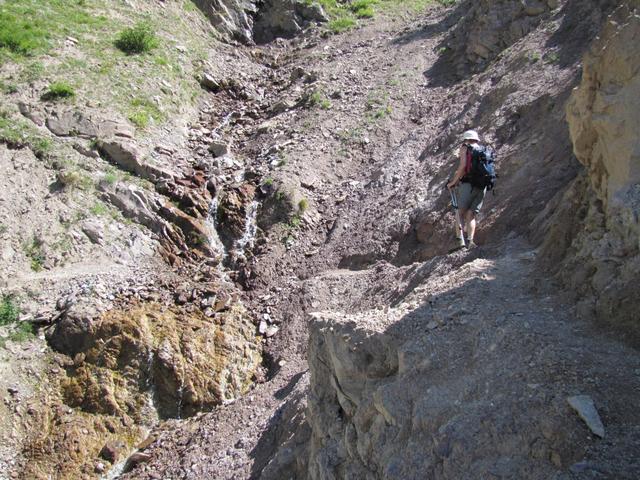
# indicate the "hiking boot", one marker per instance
pixel 459 245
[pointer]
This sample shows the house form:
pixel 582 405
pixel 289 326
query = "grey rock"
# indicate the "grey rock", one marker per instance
pixel 210 83
pixel 586 409
pixel 93 231
pixel 72 123
pixel 219 149
pixel 30 112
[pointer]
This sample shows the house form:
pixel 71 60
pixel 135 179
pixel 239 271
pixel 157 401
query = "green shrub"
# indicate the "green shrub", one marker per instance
pixel 58 91
pixel 303 205
pixel 341 24
pixel 33 250
pixel 21 35
pixel 9 310
pixel 268 182
pixel 363 8
pixel 138 39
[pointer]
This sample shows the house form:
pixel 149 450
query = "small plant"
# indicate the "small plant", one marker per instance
pixel 282 162
pixel 295 222
pixel 58 91
pixel 144 112
pixel 99 209
pixel 268 182
pixel 341 24
pixel 534 57
pixel 110 178
pixel 303 205
pixel 3 228
pixel 33 250
pixel 9 310
pixel 363 8
pixel 280 196
pixel 138 39
pixel 552 57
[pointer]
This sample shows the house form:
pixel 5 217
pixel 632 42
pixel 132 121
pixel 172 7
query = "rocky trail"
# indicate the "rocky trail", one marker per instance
pixel 276 298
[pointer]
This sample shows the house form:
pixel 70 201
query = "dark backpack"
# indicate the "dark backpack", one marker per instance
pixel 480 169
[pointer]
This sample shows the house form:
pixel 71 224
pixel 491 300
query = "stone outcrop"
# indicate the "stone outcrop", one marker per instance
pixel 248 21
pixel 599 227
pixel 181 362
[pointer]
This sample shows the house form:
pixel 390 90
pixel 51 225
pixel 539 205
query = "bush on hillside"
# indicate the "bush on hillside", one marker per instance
pixel 59 90
pixel 138 39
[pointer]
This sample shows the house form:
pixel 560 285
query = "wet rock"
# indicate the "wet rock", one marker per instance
pixel 586 409
pixel 111 451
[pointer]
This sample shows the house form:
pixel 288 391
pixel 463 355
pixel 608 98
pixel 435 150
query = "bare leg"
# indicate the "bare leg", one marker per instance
pixel 471 224
pixel 459 225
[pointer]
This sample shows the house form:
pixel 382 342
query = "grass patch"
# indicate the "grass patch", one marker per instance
pixel 378 106
pixel 363 8
pixel 16 133
pixel 99 209
pixel 9 310
pixel 144 112
pixel 138 39
pixel 341 24
pixel 33 250
pixel 31 27
pixel 303 205
pixel 59 91
pixel 318 99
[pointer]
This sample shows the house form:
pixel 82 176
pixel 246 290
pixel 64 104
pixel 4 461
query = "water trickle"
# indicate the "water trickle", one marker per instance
pixel 212 224
pixel 247 240
pixel 225 121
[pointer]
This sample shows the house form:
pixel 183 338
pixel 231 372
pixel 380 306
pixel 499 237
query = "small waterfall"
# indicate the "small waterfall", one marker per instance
pixel 212 223
pixel 225 121
pixel 250 228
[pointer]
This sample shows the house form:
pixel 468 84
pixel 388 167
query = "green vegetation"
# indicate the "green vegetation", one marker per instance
pixel 9 310
pixel 110 178
pixel 33 250
pixel 378 106
pixel 59 90
pixel 303 205
pixel 31 27
pixel 317 98
pixel 17 133
pixel 99 209
pixel 144 112
pixel 3 228
pixel 140 38
pixel 268 182
pixel 345 15
pixel 101 39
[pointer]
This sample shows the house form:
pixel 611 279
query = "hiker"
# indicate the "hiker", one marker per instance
pixel 470 189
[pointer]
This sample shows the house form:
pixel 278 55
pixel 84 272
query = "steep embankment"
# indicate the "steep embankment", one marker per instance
pixel 422 365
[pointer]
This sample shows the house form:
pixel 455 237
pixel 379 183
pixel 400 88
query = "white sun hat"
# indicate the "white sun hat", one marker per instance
pixel 471 135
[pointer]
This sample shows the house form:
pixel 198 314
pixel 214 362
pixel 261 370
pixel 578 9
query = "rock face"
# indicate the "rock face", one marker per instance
pixel 600 227
pixel 182 362
pixel 248 21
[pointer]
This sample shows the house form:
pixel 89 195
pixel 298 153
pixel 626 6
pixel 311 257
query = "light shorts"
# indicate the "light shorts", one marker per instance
pixel 470 197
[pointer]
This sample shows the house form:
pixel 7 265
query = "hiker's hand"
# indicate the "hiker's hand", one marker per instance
pixel 451 184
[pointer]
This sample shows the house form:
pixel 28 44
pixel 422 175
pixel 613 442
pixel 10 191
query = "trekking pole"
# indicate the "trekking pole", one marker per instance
pixel 454 205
